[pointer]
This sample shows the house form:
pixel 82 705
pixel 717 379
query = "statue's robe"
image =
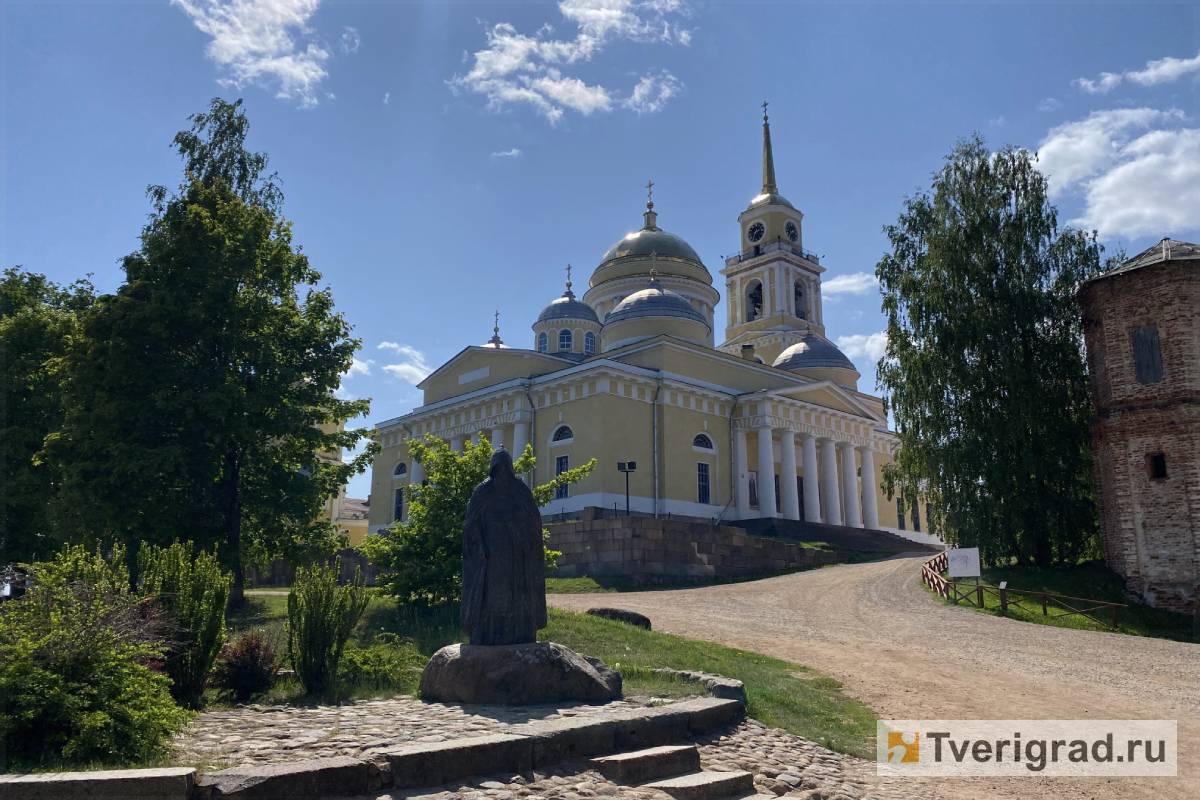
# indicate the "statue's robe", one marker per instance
pixel 504 567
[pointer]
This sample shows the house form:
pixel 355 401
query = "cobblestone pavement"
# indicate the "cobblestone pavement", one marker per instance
pixel 907 656
pixel 258 734
pixel 783 765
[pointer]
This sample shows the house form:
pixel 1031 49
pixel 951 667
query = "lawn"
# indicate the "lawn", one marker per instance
pixel 1090 579
pixel 779 693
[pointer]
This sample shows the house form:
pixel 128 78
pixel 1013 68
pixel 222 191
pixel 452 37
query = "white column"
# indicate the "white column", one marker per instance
pixel 520 438
pixel 870 487
pixel 812 495
pixel 741 474
pixel 497 438
pixel 787 475
pixel 766 474
pixel 415 475
pixel 850 486
pixel 831 494
pixel 456 443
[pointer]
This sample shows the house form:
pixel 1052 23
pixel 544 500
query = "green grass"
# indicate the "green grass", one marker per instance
pixel 1090 579
pixel 778 693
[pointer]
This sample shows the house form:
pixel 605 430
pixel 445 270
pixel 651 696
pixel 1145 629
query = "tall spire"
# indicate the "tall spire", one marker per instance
pixel 649 215
pixel 768 159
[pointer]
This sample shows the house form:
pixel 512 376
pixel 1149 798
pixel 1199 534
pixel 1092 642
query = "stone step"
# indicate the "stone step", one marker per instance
pixel 651 764
pixel 706 785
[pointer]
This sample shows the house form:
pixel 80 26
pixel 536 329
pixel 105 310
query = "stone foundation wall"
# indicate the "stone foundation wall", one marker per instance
pixel 648 547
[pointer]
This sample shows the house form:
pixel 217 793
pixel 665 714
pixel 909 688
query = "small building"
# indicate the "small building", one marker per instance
pixel 1141 323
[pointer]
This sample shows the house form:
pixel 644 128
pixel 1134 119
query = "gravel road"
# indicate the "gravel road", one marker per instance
pixel 873 627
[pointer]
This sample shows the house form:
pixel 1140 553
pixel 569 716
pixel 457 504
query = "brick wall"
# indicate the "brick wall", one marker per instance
pixel 1150 527
pixel 648 547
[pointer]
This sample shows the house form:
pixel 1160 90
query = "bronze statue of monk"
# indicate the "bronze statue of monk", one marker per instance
pixel 504 566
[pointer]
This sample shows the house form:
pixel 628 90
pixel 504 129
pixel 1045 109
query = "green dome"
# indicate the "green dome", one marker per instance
pixel 646 242
pixel 650 249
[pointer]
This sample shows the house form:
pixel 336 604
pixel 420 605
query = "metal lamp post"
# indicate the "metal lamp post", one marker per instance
pixel 626 467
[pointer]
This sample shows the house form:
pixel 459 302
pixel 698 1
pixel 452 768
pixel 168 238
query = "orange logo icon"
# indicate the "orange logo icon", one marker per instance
pixel 903 747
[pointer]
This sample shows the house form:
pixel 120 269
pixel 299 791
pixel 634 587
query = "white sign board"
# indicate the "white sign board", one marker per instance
pixel 964 562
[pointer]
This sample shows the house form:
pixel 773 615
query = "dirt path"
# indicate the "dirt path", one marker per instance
pixel 874 628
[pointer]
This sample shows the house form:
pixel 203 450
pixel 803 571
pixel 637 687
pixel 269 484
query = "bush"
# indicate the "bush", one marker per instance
pixel 389 663
pixel 75 688
pixel 193 591
pixel 247 666
pixel 321 617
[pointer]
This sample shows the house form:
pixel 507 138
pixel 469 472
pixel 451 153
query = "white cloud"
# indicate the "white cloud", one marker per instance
pixel 1137 170
pixel 513 153
pixel 255 42
pixel 870 346
pixel 1049 104
pixel 351 40
pixel 517 69
pixel 1155 189
pixel 412 366
pixel 1158 71
pixel 358 366
pixel 854 283
pixel 652 92
pixel 1075 151
pixel 387 98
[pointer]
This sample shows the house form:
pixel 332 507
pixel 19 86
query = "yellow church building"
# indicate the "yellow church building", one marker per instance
pixel 769 423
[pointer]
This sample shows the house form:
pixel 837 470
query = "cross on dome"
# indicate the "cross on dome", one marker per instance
pixel 568 278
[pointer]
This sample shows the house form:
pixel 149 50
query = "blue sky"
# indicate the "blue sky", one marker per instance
pixel 442 160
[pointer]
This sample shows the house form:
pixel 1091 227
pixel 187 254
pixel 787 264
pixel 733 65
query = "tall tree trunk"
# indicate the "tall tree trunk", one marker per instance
pixel 233 529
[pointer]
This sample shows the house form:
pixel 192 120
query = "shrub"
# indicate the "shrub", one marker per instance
pixel 321 616
pixel 390 662
pixel 193 590
pixel 75 688
pixel 247 666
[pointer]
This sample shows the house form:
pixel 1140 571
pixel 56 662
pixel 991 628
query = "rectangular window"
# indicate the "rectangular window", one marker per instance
pixel 800 494
pixel 1156 463
pixel 560 466
pixel 702 493
pixel 1147 356
pixel 753 489
pixel 777 501
pixel 916 517
pixel 398 506
pixel 900 513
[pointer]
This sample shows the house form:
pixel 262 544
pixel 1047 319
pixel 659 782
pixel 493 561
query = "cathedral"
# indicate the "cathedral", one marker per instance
pixel 768 423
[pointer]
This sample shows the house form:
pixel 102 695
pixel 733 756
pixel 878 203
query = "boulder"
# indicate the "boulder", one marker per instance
pixel 519 674
pixel 622 615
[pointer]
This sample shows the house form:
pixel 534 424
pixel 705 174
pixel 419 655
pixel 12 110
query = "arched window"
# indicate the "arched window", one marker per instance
pixel 589 343
pixel 398 505
pixel 702 442
pixel 563 434
pixel 564 339
pixel 543 342
pixel 400 471
pixel 798 300
pixel 754 302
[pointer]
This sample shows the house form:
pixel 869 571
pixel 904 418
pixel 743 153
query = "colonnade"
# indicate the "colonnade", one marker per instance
pixel 845 499
pixel 498 435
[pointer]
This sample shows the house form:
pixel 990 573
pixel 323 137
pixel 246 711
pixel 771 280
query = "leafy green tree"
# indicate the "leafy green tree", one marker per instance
pixel 201 394
pixel 37 320
pixel 424 554
pixel 984 369
pixel 192 589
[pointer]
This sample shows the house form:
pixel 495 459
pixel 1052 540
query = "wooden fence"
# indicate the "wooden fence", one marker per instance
pixel 1052 605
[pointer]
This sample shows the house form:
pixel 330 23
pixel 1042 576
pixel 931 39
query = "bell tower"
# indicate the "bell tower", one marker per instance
pixel 772 285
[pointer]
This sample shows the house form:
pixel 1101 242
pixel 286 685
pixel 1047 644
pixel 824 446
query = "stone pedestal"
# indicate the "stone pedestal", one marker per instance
pixel 518 674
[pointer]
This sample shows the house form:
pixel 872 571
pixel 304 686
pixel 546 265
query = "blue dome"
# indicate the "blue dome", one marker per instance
pixel 813 352
pixel 655 301
pixel 567 307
